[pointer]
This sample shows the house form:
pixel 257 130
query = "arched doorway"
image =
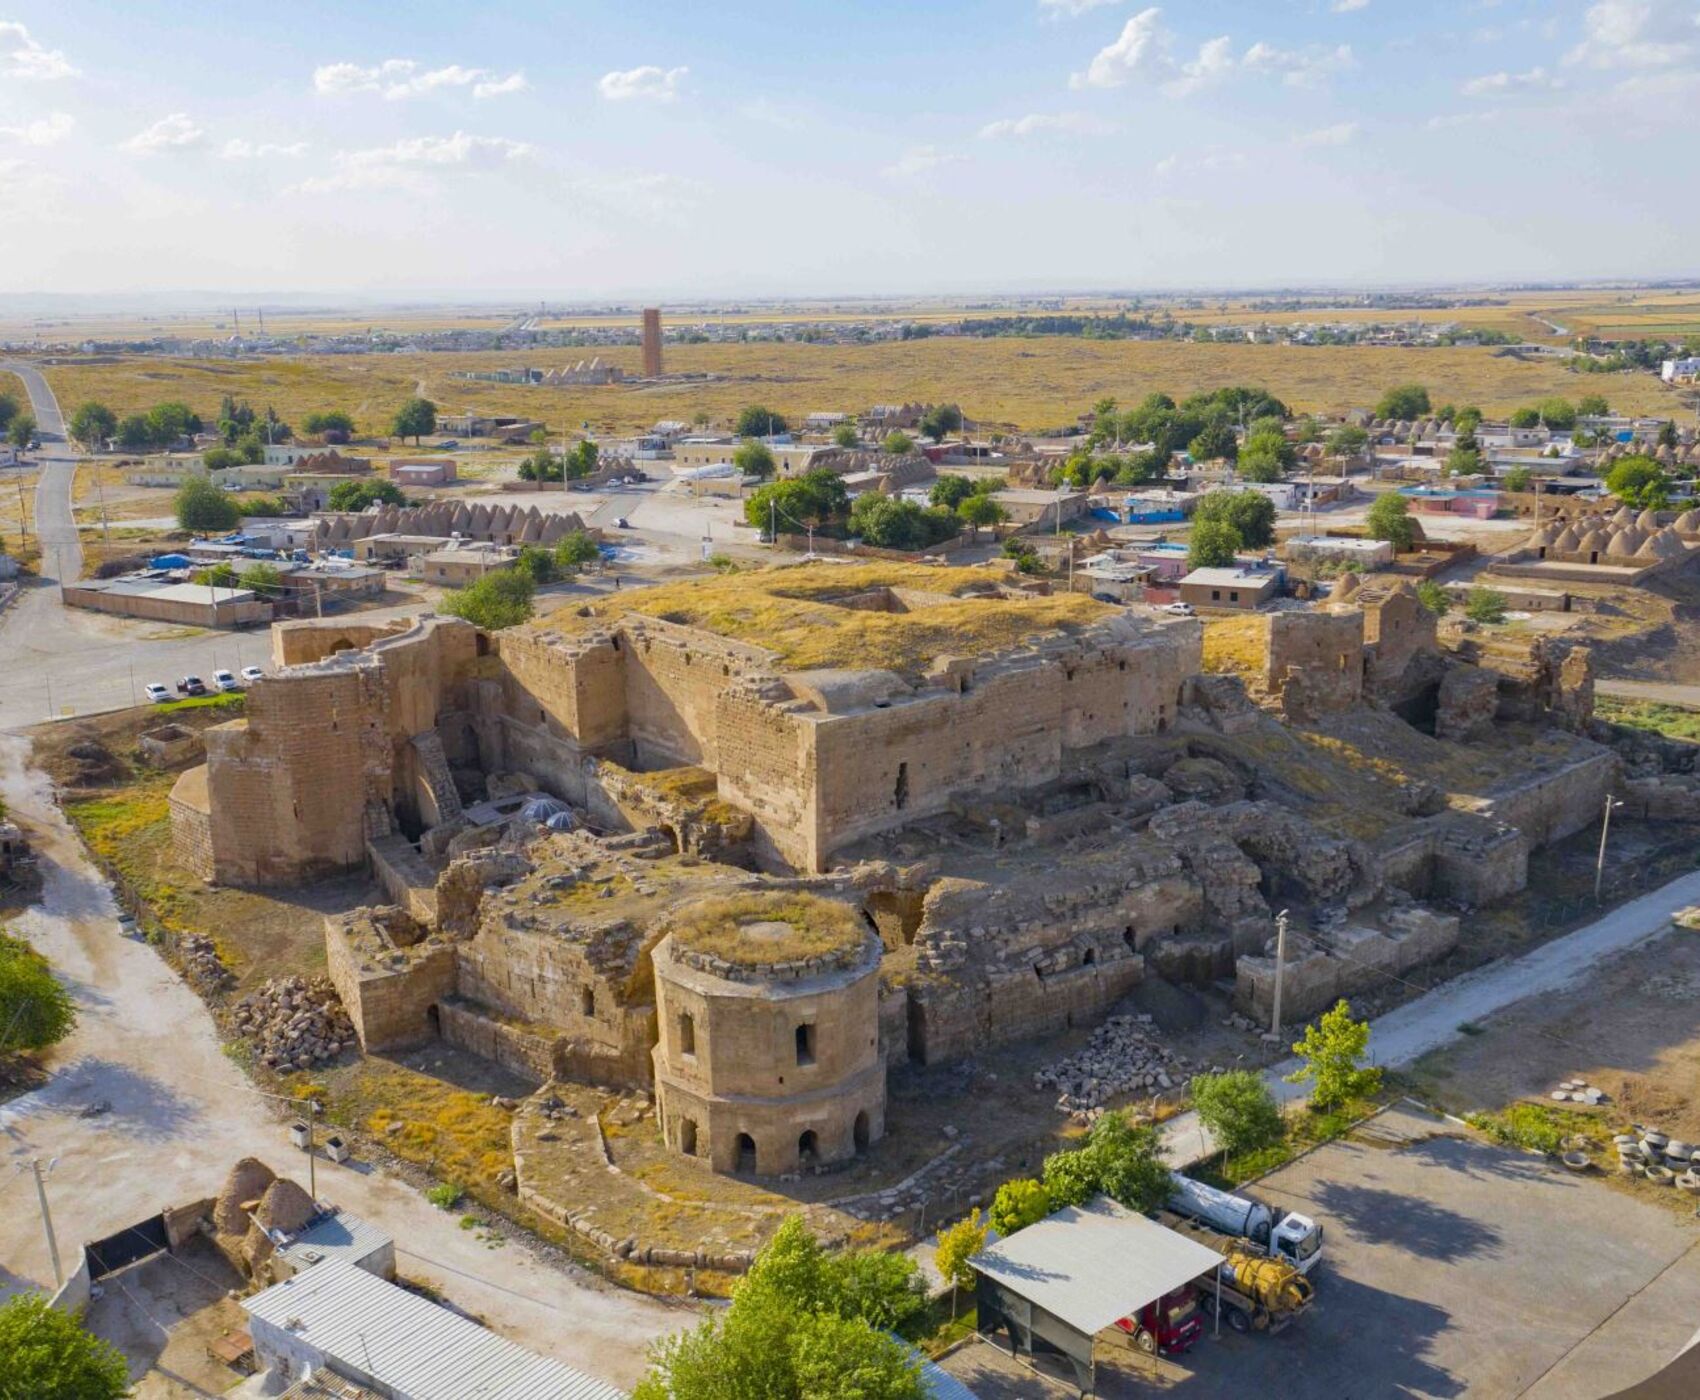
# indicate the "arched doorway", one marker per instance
pixel 434 1019
pixel 746 1154
pixel 859 1133
pixel 688 1136
pixel 808 1149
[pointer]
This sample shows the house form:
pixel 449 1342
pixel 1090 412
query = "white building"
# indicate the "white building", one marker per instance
pixel 1675 371
pixel 337 1316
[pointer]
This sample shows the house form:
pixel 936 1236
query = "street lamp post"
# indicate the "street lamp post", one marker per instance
pixel 1280 969
pixel 1600 864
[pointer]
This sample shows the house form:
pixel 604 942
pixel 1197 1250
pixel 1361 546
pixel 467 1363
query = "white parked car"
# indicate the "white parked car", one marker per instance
pixel 250 674
pixel 223 680
pixel 156 693
pixel 1178 609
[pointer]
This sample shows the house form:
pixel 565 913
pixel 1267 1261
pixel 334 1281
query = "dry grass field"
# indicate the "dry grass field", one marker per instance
pixel 1030 384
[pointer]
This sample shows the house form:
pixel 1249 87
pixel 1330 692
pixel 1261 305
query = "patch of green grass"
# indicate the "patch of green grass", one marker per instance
pixel 445 1196
pixel 1306 1129
pixel 1529 1125
pixel 1672 721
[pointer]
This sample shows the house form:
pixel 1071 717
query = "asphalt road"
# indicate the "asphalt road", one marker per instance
pixel 1660 692
pixel 181 1114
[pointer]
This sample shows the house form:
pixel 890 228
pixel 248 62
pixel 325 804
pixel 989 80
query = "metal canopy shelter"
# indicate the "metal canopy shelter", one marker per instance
pixel 1060 1282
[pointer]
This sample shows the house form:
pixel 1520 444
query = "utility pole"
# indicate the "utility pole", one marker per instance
pixel 1600 864
pixel 47 1215
pixel 1280 969
pixel 312 1174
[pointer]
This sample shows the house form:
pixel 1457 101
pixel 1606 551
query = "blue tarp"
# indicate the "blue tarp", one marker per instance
pixel 171 561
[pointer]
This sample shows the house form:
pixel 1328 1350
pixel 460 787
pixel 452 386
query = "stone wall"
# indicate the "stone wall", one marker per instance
pixel 1314 664
pixel 1557 804
pixel 1354 958
pixel 389 999
pixel 528 1051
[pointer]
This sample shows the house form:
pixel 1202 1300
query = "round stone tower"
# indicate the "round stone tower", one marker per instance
pixel 768 1059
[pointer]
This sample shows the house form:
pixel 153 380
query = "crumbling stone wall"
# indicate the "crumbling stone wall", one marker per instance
pixel 1352 958
pixel 1314 662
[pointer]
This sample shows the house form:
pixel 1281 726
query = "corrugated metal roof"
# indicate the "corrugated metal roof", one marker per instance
pixel 939 1384
pixel 338 1236
pixel 1092 1264
pixel 369 1328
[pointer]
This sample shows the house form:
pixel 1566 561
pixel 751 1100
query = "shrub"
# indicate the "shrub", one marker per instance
pixel 1433 597
pixel 46 1355
pixel 1405 401
pixel 1018 1204
pixel 498 600
pixel 1118 1160
pixel 754 458
pixel 1389 518
pixel 1213 545
pixel 1251 513
pixel 1485 605
pixel 757 420
pixel 574 550
pixel 445 1195
pixel 898 444
pixel 204 508
pixel 957 1245
pixel 35 1009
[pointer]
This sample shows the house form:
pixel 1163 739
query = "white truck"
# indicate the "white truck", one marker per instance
pixel 1294 1238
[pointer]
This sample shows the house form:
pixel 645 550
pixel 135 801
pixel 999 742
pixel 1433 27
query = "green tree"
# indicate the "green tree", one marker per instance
pixel 957 1245
pixel 1559 414
pixel 171 420
pixel 845 435
pixel 757 421
pixel 414 419
pixel 1484 605
pixel 1518 479
pixel 1667 434
pixel 941 419
pixel 46 1355
pixel 357 493
pixel 1333 1049
pixel 220 575
pixel 834 1358
pixel 204 508
pixel 22 431
pixel 899 444
pixel 815 499
pixel 950 491
pixel 1251 513
pixel 251 448
pixel 977 510
pixel 1526 418
pixel 889 522
pixel 134 434
pixel 1213 442
pixel 574 550
pixel 536 564
pixel 8 408
pixel 754 458
pixel 1390 519
pixel 500 599
pixel 1592 406
pixel 335 421
pixel 1463 461
pixel 93 423
pixel 1026 557
pixel 218 459
pixel 541 465
pixel 1405 401
pixel 1213 545
pixel 1640 482
pixel 1017 1205
pixel 1433 597
pixel 1119 1160
pixel 1239 1110
pixel 263 578
pixel 35 1009
pixel 1347 441
pixel 1467 420
pixel 1266 456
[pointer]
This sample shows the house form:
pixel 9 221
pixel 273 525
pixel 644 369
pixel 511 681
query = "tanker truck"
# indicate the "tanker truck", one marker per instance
pixel 1294 1239
pixel 1258 1293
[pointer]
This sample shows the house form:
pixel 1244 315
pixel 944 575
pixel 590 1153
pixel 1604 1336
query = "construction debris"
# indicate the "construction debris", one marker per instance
pixel 1122 1057
pixel 295 1022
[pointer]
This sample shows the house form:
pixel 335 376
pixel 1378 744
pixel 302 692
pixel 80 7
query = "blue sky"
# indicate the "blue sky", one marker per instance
pixel 672 149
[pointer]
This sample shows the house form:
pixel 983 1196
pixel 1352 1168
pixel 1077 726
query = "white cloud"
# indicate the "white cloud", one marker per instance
pixel 22 56
pixel 1337 135
pixel 1141 50
pixel 647 83
pixel 1345 7
pixel 410 161
pixel 1215 61
pixel 1503 83
pixel 46 131
pixel 1035 122
pixel 1299 67
pixel 400 78
pixel 237 148
pixel 173 133
pixel 918 160
pixel 1056 8
pixel 1638 34
pixel 1211 158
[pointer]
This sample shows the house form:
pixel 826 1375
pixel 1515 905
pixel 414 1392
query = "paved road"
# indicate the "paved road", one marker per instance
pixel 182 1114
pixel 1661 692
pixel 1432 1020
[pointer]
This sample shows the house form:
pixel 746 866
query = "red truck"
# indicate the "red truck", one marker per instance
pixel 1170 1324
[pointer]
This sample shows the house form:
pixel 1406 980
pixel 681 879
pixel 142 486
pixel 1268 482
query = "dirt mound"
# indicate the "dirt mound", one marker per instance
pixel 91 764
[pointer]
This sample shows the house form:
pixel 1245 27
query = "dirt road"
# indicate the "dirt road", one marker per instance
pixel 181 1113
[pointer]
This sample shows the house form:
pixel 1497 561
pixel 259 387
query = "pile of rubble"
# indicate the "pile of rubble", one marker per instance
pixel 1123 1057
pixel 295 1023
pixel 202 964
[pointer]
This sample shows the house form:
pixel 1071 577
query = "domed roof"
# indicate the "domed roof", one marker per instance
pixel 1626 541
pixel 1568 538
pixel 1668 545
pixel 1623 516
pixel 1544 536
pixel 1688 523
pixel 1648 520
pixel 1594 542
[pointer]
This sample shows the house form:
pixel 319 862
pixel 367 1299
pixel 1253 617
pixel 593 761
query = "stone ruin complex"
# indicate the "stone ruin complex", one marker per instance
pixel 753 841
